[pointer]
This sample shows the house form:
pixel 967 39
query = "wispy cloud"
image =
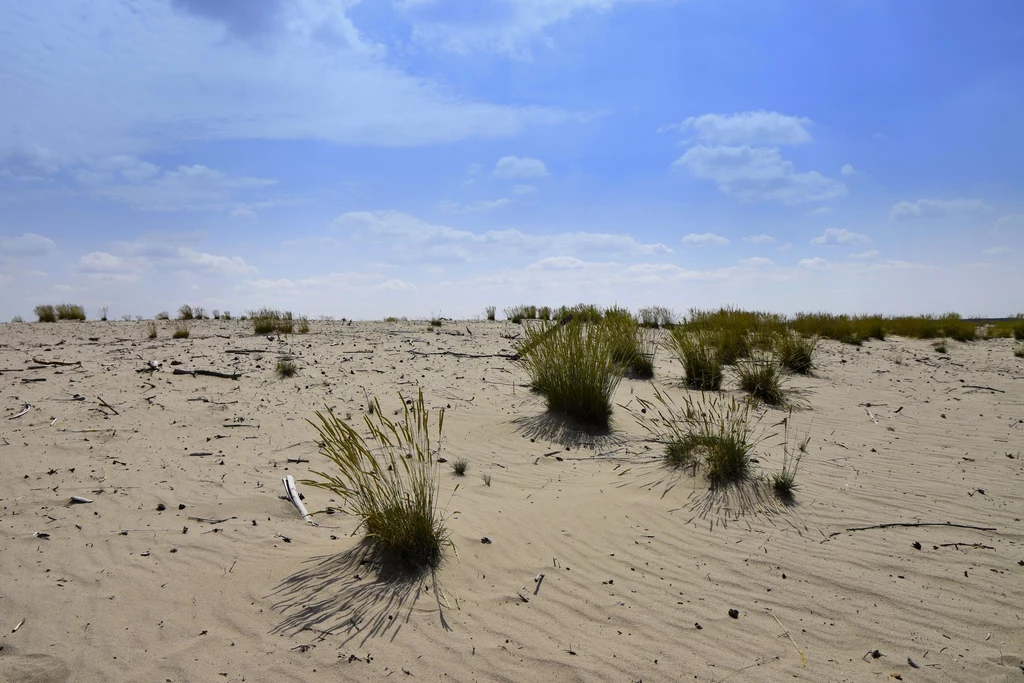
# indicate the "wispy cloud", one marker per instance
pixel 841 236
pixel 473 207
pixel 759 239
pixel 758 128
pixel 520 167
pixel 906 210
pixel 27 244
pixel 707 239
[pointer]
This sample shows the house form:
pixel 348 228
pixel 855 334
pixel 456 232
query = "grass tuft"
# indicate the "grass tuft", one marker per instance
pixel 784 481
pixel 490 311
pixel 162 315
pixel 266 320
pixel 70 312
pixel 487 479
pixel 181 330
pixel 303 325
pixel 712 434
pixel 286 368
pixel 795 352
pixel 698 352
pixel 573 365
pixel 391 484
pixel 46 313
pixel 185 312
pixel 1018 350
pixel 940 346
pixel 762 378
pixel 151 330
pixel 459 467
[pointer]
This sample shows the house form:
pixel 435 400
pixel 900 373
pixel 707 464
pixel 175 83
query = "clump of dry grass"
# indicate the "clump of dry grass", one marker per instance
pixel 151 330
pixel 181 330
pixel 390 483
pixel 70 312
pixel 710 434
pixel 795 352
pixel 286 368
pixel 762 377
pixel 698 352
pixel 46 313
pixel 266 320
pixel 303 326
pixel 574 366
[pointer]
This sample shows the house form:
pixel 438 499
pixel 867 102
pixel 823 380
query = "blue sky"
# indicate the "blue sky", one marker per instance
pixel 365 158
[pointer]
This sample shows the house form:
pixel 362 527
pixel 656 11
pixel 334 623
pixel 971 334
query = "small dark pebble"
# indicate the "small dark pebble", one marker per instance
pixel 161 507
pixel 734 613
pixel 917 545
pixel 181 506
pixel 442 460
pixel 485 540
pixel 698 626
pixel 875 654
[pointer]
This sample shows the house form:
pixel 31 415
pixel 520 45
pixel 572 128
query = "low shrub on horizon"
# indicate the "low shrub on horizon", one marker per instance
pixel 573 365
pixel 70 312
pixel 266 320
pixel 657 316
pixel 151 330
pixel 391 484
pixel 46 313
pixel 162 315
pixel 185 312
pixel 17 319
pixel 490 312
pixel 303 326
pixel 633 347
pixel 181 330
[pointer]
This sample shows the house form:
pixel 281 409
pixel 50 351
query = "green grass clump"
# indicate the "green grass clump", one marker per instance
pixel 391 319
pixel 712 434
pixel 490 311
pixel 544 313
pixel 181 330
pixel 162 315
pixel 226 315
pixel 151 330
pixel 795 353
pixel 517 314
pixel 573 365
pixel 185 312
pixel 633 346
pixel 391 483
pixel 266 320
pixel 955 327
pixel 657 316
pixel 840 328
pixel 698 352
pixel 784 481
pixel 303 325
pixel 17 319
pixel 46 313
pixel 70 312
pixel 940 346
pixel 1018 350
pixel 286 368
pixel 459 467
pixel 762 378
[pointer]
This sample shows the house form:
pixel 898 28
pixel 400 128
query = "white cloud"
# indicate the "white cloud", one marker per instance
pixel 997 250
pixel 932 207
pixel 759 239
pixel 317 77
pixel 510 27
pixel 1011 223
pixel 816 263
pixel 415 238
pixel 473 207
pixel 871 253
pixel 193 187
pixel 556 262
pixel 841 236
pixel 520 167
pixel 243 213
pixel 524 189
pixel 758 128
pixel 756 262
pixel 758 174
pixel 820 211
pixel 101 265
pixel 848 169
pixel 27 244
pixel 785 247
pixel 707 239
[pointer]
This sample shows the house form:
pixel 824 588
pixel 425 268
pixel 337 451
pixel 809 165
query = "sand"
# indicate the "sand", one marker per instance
pixel 641 565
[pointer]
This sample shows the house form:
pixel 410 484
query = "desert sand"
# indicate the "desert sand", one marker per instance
pixel 188 567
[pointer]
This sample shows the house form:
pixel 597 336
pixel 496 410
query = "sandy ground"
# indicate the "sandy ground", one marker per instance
pixel 193 567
